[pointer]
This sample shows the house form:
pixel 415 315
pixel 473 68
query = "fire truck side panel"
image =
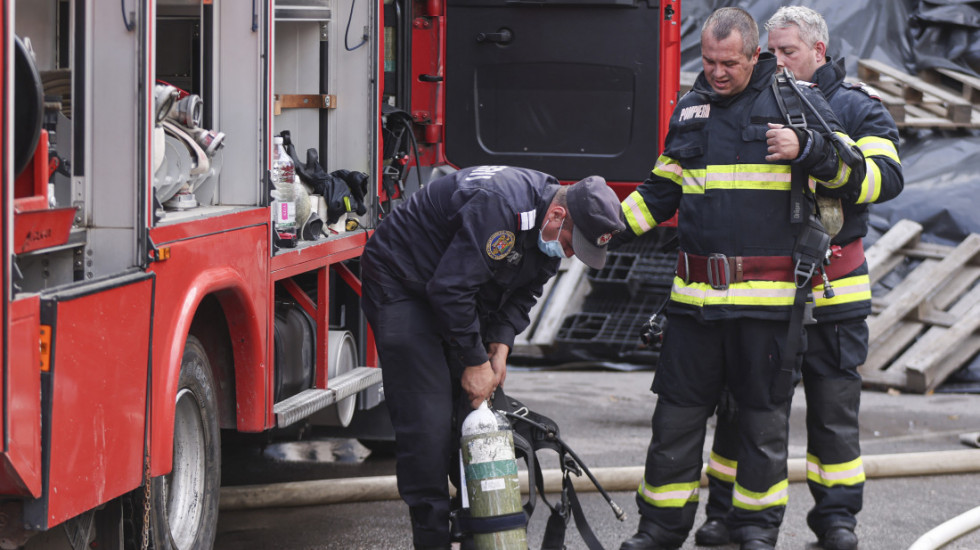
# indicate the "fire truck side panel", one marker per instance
pixel 229 259
pixel 21 469
pixel 95 395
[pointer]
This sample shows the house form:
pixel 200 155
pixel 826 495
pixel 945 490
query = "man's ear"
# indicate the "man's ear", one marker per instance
pixel 821 49
pixel 556 213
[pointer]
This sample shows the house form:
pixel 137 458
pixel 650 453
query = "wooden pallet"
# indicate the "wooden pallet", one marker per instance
pixel 924 102
pixel 925 328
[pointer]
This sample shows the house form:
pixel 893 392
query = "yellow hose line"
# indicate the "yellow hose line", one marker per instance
pixel 363 489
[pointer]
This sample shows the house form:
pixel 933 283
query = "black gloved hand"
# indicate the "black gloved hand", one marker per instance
pixel 357 185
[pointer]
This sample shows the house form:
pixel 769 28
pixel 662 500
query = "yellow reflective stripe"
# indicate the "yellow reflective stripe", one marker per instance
pixel 777 495
pixel 722 468
pixel 765 177
pixel 673 495
pixel 843 170
pixel 871 185
pixel 749 293
pixel 829 475
pixel 668 168
pixel 846 291
pixel 873 145
pixel 637 214
pixel 694 181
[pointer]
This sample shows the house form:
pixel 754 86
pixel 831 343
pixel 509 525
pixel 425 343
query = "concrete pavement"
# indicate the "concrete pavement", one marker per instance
pixel 604 416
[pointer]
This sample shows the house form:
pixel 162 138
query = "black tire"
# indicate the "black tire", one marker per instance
pixel 185 501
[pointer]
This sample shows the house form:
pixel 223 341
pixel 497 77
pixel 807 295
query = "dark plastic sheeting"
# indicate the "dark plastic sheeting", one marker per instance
pixel 912 34
pixel 942 187
pixel 859 29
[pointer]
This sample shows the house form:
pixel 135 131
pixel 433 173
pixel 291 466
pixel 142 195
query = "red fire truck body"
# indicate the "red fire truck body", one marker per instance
pixel 147 304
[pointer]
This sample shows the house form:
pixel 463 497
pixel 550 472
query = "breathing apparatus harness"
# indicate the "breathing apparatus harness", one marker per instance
pixel 812 250
pixel 534 432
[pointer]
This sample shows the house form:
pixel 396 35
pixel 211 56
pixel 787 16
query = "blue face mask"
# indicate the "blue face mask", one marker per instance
pixel 552 248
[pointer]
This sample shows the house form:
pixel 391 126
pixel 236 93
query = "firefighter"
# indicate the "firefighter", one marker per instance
pixel 726 172
pixel 838 343
pixel 448 280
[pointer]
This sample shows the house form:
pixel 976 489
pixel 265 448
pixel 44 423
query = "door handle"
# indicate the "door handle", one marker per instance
pixel 503 36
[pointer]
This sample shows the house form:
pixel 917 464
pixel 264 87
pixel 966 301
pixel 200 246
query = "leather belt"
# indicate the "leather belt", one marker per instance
pixel 719 270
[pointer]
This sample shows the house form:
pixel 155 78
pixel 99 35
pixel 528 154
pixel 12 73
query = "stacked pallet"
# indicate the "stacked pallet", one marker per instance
pixel 597 315
pixel 937 98
pixel 925 328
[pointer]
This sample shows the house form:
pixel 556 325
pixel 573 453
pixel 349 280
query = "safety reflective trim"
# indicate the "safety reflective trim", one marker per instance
pixel 637 214
pixel 668 168
pixel 761 177
pixel 843 170
pixel 871 185
pixel 846 291
pixel 722 468
pixel 829 475
pixel 873 145
pixel 749 293
pixel 694 181
pixel 777 495
pixel 673 495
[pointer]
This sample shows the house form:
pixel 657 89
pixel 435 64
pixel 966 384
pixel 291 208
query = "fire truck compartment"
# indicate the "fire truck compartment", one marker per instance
pixel 567 87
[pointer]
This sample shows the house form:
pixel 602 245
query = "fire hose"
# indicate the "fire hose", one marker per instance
pixel 363 489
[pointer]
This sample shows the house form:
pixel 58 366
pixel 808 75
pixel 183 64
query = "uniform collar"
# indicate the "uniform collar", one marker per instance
pixel 761 78
pixel 829 76
pixel 546 196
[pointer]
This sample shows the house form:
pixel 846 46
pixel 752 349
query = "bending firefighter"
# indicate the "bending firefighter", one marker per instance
pixel 838 343
pixel 727 170
pixel 448 280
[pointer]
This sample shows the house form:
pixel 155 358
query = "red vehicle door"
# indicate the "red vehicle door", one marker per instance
pixel 568 87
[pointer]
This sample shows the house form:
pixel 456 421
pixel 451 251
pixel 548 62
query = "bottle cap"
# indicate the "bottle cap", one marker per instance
pixel 277 140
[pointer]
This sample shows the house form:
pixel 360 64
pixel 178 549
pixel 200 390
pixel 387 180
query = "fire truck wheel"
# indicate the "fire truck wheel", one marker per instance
pixel 185 501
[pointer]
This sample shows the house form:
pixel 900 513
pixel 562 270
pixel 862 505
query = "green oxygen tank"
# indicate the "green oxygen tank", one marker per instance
pixel 490 471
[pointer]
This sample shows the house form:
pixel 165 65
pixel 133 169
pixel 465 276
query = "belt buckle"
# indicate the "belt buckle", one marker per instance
pixel 717 266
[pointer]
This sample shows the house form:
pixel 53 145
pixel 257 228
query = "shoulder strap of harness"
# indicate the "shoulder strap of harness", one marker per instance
pixel 812 241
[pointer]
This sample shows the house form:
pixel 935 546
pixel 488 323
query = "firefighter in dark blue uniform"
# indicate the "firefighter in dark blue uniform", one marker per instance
pixel 838 343
pixel 448 280
pixel 726 172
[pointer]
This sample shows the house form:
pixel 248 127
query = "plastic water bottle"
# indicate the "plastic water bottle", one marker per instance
pixel 284 180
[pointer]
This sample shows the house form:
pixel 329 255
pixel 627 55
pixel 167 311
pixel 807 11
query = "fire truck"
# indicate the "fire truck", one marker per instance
pixel 150 302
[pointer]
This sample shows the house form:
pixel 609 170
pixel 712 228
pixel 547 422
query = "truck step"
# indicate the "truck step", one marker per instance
pixel 307 402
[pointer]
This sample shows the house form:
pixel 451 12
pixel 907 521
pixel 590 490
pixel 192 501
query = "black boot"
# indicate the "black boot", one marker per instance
pixel 644 541
pixel 714 532
pixel 839 538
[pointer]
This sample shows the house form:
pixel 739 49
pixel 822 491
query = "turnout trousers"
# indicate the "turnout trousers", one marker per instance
pixel 422 389
pixel 697 360
pixel 835 473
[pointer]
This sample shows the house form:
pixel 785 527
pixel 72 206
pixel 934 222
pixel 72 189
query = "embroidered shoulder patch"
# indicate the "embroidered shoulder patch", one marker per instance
pixel 500 244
